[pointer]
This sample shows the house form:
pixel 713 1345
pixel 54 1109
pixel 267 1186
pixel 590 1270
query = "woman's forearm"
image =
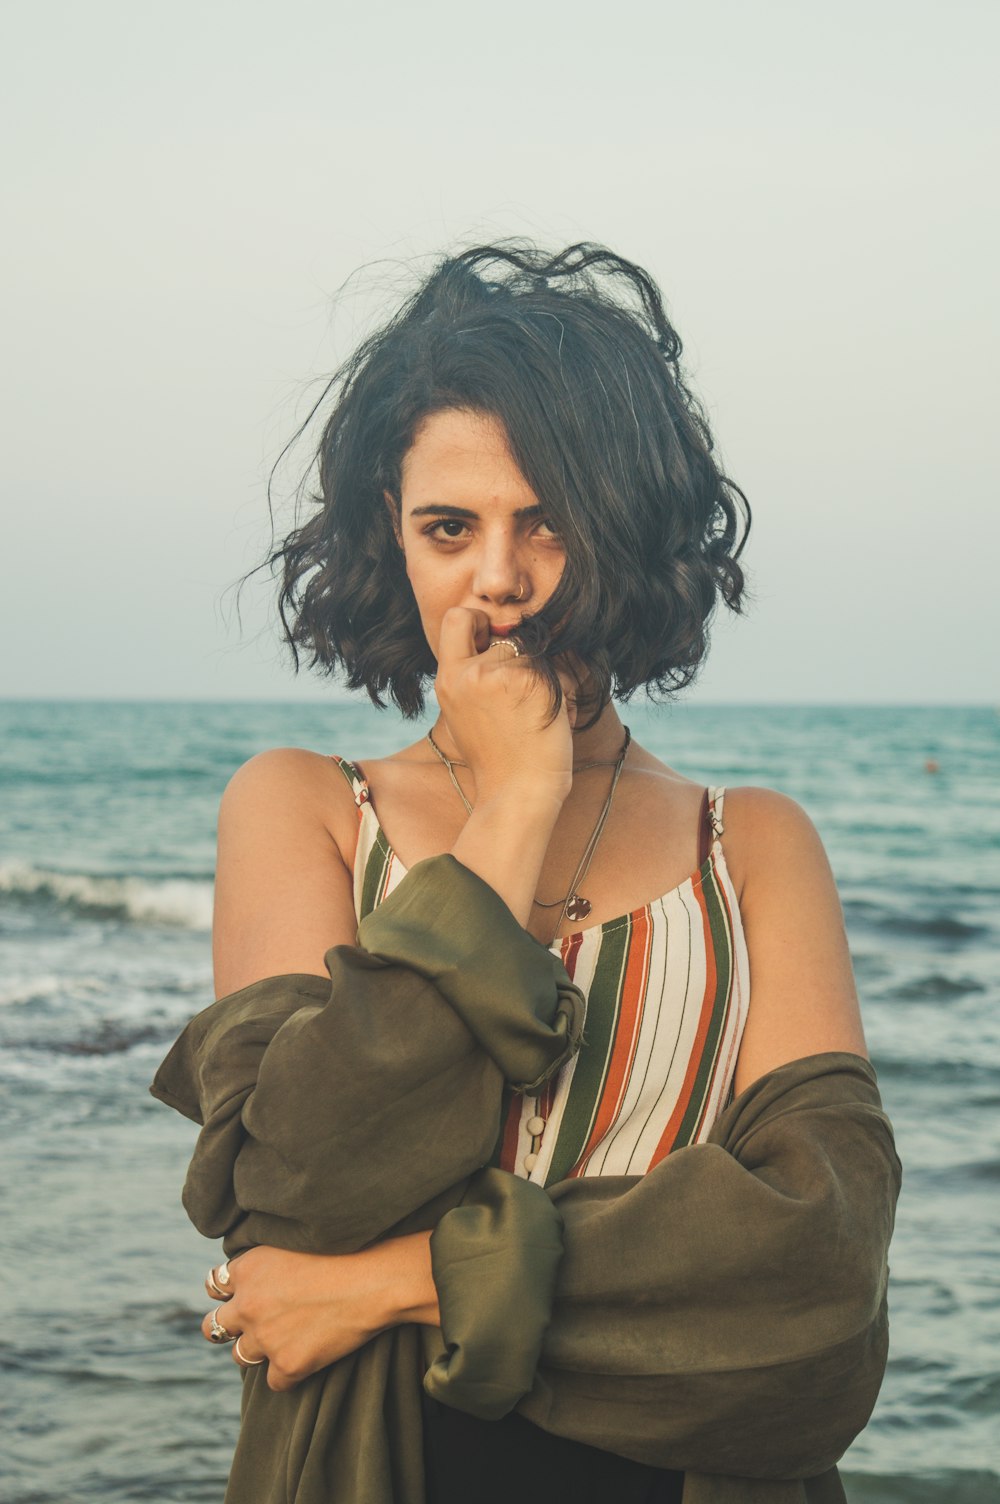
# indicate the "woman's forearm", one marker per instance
pixel 407 1283
pixel 505 840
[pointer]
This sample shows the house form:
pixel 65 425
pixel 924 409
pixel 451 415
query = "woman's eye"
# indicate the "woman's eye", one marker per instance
pixel 446 522
pixel 548 527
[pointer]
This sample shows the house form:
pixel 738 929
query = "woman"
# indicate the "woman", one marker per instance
pixel 518 499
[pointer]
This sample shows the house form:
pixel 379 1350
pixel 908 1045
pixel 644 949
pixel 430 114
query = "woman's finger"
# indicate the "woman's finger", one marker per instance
pixel 463 634
pixel 221 1326
pixel 219 1281
pixel 244 1355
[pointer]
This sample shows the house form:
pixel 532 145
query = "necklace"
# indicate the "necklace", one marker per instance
pixel 578 767
pixel 574 905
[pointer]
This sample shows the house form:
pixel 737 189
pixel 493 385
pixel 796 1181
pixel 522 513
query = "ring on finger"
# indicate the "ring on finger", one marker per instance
pixel 217 1282
pixel 218 1332
pixel 242 1358
pixel 507 642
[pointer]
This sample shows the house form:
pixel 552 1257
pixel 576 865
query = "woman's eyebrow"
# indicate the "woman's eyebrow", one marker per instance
pixel 435 510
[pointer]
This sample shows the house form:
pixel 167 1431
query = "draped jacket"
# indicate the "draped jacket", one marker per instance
pixel 723 1314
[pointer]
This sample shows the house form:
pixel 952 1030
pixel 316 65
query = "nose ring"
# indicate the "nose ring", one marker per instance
pixel 520 591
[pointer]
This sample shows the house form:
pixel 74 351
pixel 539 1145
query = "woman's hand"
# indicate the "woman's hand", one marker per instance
pixel 498 708
pixel 303 1311
pixel 498 712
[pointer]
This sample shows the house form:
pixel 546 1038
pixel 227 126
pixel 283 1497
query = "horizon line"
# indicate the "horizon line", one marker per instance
pixel 357 700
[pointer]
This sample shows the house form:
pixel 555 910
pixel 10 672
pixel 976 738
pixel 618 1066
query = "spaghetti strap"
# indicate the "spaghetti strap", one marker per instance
pixel 710 823
pixel 357 780
pixel 716 798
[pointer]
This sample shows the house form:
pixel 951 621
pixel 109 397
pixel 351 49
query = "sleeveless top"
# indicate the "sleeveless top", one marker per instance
pixel 666 989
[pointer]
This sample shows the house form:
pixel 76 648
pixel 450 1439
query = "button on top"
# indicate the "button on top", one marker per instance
pixel 535 1126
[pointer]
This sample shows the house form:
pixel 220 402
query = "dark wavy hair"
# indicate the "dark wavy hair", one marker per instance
pixel 574 355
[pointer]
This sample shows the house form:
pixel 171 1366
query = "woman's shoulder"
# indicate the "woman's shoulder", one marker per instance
pixel 768 836
pixel 307 787
pixel 764 817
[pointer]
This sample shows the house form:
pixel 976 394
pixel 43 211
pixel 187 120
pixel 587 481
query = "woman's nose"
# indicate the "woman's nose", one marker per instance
pixel 500 575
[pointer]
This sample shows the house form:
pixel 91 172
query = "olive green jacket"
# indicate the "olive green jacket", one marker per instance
pixel 724 1314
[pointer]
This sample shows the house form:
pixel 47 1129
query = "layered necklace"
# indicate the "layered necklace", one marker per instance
pixel 574 904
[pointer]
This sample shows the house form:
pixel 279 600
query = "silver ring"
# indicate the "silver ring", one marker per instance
pixel 242 1358
pixel 507 642
pixel 219 1332
pixel 217 1281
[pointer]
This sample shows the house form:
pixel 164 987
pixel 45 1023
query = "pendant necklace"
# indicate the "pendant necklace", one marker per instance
pixel 574 905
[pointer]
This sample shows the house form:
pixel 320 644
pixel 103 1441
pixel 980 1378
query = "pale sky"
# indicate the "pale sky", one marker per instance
pixel 190 184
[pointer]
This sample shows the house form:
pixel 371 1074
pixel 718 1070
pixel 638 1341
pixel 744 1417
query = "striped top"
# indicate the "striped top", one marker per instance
pixel 666 989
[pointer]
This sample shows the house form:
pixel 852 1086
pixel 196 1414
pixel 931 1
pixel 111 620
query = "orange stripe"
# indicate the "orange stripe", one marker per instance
pixel 570 951
pixel 633 996
pixel 669 1133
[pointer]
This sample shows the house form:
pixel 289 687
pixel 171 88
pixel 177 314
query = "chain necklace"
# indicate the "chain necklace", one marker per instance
pixel 574 905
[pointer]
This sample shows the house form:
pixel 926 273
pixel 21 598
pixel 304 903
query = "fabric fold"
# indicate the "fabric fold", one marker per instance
pixel 725 1312
pixel 497 1258
pixel 523 1010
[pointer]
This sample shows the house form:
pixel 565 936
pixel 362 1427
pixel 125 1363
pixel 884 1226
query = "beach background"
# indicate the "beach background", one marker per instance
pixel 105 908
pixel 211 205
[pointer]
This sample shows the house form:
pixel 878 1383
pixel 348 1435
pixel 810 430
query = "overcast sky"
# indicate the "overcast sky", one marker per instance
pixel 192 183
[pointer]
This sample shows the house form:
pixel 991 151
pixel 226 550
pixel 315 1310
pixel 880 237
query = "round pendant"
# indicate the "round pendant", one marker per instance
pixel 578 907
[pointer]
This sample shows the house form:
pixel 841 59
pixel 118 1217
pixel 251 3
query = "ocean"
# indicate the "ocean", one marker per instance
pixel 107 828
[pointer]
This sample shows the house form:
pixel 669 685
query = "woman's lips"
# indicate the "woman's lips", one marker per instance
pixel 504 631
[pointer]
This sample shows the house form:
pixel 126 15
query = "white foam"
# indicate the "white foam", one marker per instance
pixel 31 987
pixel 24 989
pixel 182 902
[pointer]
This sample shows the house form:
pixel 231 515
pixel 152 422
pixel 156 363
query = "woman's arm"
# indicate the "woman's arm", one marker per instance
pixel 802 995
pixel 306 1310
pixel 283 884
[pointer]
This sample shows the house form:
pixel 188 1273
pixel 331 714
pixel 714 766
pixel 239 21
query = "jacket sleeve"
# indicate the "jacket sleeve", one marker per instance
pixel 332 1111
pixel 724 1313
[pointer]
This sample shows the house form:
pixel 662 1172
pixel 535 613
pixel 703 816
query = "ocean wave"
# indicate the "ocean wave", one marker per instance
pixel 110 1037
pixel 182 903
pixel 38 989
pixel 940 927
pixel 920 1071
pixel 954 1485
pixel 934 987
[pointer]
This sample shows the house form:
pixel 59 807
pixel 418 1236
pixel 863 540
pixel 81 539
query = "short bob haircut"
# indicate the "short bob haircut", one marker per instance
pixel 574 355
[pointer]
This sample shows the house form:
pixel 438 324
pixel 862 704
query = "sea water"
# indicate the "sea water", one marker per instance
pixel 107 832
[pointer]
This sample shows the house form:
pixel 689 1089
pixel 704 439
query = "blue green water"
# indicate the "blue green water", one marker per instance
pixel 107 829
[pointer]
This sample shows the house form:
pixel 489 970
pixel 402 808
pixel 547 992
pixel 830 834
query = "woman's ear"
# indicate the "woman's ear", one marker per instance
pixel 393 508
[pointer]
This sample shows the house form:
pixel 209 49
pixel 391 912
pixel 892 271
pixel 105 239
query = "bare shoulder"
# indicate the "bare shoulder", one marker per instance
pixel 803 999
pixel 766 833
pixel 767 814
pixel 283 883
pixel 292 788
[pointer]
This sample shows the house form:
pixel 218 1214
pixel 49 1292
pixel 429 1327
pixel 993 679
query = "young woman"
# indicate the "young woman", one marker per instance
pixel 518 502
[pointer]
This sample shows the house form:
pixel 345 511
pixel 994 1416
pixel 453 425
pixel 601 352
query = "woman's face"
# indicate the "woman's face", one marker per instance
pixel 471 529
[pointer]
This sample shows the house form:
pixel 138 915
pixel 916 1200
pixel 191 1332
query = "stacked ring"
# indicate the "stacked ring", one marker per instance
pixel 217 1281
